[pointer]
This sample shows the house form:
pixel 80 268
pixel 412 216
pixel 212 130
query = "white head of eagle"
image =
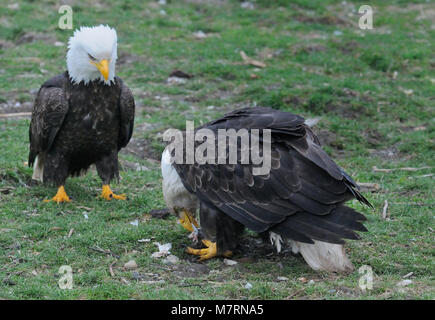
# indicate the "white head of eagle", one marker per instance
pixel 92 54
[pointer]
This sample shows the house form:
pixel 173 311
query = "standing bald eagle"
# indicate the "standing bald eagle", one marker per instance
pixel 301 199
pixel 83 116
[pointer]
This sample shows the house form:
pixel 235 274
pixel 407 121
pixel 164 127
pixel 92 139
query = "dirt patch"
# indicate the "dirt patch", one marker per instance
pixel 31 36
pixel 374 137
pixel 389 153
pixel 308 48
pixel 343 291
pixel 190 270
pixel 346 103
pixel 126 58
pixel 348 47
pixel 142 149
pixel 328 138
pixel 16 107
pixel 17 179
pixel 132 166
pixel 5 44
pixel 328 20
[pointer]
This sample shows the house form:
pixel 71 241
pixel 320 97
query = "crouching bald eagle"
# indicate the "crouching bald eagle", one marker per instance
pixel 301 199
pixel 83 116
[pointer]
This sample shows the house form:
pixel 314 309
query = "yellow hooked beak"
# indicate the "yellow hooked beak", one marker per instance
pixel 103 67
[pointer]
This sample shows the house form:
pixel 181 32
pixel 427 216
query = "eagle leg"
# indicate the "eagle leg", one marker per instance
pixel 207 253
pixel 60 196
pixel 109 195
pixel 188 222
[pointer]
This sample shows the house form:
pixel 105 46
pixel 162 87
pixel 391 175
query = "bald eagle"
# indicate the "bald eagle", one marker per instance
pixel 83 116
pixel 300 200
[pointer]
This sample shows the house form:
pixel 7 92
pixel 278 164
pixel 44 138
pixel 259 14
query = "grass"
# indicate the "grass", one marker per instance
pixel 374 91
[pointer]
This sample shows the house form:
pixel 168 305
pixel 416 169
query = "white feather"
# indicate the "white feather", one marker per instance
pixel 175 194
pixel 38 169
pixel 276 240
pixel 101 43
pixel 323 256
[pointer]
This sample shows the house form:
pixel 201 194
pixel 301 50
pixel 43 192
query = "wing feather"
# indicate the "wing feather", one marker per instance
pixel 127 110
pixel 48 113
pixel 303 193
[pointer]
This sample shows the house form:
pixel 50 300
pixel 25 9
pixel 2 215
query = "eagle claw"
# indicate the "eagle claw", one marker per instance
pixel 109 195
pixel 188 222
pixel 60 196
pixel 206 253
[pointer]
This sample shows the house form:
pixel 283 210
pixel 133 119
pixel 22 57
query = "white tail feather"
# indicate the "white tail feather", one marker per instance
pixel 276 240
pixel 323 256
pixel 38 169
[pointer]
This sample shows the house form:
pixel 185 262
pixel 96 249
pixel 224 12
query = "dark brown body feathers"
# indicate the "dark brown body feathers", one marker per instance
pixel 76 125
pixel 302 198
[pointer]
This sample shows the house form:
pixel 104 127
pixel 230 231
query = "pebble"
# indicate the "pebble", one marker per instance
pixel 248 286
pixel 171 259
pixel 229 262
pixel 404 283
pixel 130 265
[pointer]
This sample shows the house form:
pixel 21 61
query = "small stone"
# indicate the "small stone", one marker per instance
pixel 14 6
pixel 200 35
pixel 136 276
pixel 229 262
pixel 404 283
pixel 282 278
pixel 144 240
pixel 130 265
pixel 303 279
pixel 171 259
pixel 247 5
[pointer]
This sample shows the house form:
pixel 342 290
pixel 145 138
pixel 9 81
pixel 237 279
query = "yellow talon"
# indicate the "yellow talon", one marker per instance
pixel 109 195
pixel 187 220
pixel 206 253
pixel 60 196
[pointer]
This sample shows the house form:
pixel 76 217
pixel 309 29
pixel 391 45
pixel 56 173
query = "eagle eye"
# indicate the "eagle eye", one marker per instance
pixel 91 57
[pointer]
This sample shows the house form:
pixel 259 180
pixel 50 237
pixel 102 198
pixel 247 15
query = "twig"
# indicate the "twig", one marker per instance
pixel 97 249
pixel 252 62
pixel 420 204
pixel 367 186
pixel 384 211
pixel 70 233
pixel 295 294
pixel 14 115
pixel 422 176
pixel 376 169
pixel 111 268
